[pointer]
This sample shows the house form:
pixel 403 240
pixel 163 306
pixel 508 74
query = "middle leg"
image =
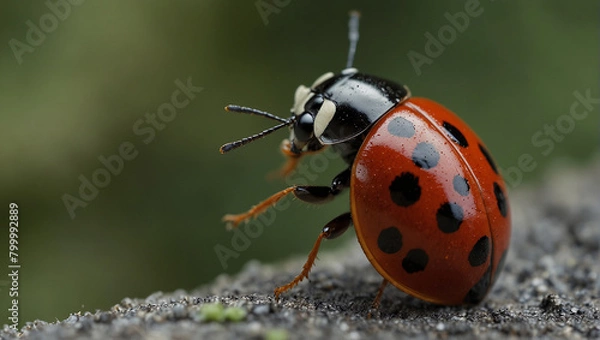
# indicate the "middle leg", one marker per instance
pixel 306 193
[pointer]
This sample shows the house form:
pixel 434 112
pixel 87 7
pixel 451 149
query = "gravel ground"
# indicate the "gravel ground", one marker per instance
pixel 550 288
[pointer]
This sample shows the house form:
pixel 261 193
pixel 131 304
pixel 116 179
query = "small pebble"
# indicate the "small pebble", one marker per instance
pixel 254 327
pixel 261 309
pixel 179 311
pixel 353 335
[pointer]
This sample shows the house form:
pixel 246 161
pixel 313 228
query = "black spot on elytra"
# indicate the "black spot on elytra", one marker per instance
pixel 480 289
pixel 405 189
pixel 488 157
pixel 461 185
pixel 415 261
pixel 390 240
pixel 425 156
pixel 501 199
pixel 401 127
pixel 456 135
pixel 449 217
pixel 480 252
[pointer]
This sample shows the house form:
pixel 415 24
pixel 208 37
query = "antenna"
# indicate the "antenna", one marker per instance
pixel 352 36
pixel 249 110
pixel 235 108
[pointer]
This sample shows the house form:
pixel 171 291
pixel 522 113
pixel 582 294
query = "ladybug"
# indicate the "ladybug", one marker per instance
pixel 427 202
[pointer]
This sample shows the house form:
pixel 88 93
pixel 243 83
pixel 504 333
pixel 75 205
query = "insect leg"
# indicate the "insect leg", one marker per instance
pixel 310 194
pixel 333 229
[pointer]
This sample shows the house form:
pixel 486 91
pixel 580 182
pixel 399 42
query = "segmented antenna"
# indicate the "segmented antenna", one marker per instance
pixel 249 110
pixel 235 108
pixel 352 36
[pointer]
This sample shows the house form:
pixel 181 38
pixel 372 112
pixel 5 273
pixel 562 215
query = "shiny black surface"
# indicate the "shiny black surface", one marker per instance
pixel 360 101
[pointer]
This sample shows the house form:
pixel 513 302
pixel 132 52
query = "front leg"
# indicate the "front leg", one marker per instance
pixel 306 193
pixel 293 157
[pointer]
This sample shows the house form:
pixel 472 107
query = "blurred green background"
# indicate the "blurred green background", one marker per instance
pixel 77 95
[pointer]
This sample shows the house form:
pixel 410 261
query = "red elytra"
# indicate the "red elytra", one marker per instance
pixel 437 228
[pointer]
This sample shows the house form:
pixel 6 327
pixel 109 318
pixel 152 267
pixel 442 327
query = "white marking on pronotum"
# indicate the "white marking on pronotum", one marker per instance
pixel 321 79
pixel 324 116
pixel 301 96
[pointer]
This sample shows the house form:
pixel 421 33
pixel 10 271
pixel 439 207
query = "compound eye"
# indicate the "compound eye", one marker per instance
pixel 314 104
pixel 303 129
